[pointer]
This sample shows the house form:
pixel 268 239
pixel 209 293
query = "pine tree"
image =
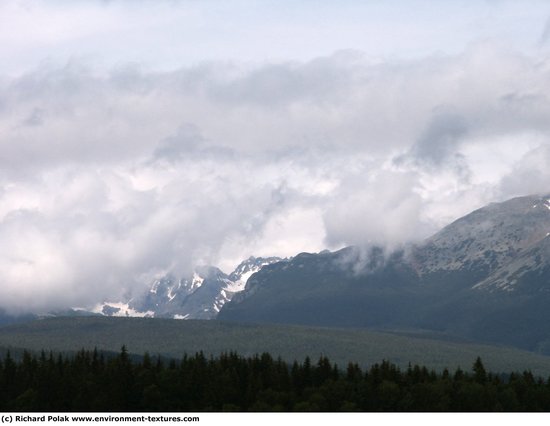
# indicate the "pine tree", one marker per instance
pixel 480 375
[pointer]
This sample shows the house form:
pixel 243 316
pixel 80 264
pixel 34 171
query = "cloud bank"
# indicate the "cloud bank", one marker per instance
pixel 108 179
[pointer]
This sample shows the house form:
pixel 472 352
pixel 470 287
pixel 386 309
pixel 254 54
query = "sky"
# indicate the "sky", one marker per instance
pixel 139 138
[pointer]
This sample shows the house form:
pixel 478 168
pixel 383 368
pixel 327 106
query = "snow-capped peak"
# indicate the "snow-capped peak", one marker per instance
pixel 246 269
pixel 197 296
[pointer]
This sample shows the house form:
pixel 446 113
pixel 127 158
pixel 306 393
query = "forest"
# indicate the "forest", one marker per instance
pixel 93 381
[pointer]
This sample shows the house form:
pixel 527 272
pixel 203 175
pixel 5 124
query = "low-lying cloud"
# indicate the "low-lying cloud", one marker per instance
pixel 110 179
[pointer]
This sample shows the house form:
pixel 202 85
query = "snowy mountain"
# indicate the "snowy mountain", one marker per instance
pixel 247 268
pixel 199 296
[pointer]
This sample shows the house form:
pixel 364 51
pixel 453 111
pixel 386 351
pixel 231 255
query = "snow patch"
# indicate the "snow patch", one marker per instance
pixel 181 317
pixel 172 291
pixel 247 275
pixel 120 310
pixel 155 287
pixel 197 281
pixel 240 284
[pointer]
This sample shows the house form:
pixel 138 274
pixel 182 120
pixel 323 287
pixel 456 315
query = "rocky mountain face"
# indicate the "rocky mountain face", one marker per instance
pixel 484 277
pixel 529 272
pixel 485 240
pixel 199 296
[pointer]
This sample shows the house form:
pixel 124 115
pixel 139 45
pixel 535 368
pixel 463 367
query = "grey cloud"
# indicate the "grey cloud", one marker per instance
pixel 520 111
pixel 131 78
pixel 186 140
pixel 35 118
pixel 321 80
pixel 438 147
pixel 521 101
pixel 440 140
pixel 545 34
pixel 334 101
pixel 189 144
pixel 47 82
pixel 530 174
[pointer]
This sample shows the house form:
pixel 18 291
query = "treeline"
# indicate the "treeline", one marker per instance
pixel 89 381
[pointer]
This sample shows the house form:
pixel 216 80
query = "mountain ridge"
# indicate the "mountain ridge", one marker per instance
pixel 197 296
pixel 459 280
pixel 484 277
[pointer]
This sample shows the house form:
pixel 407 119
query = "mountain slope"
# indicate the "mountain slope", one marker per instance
pixel 529 272
pixel 323 289
pixel 486 276
pixel 478 244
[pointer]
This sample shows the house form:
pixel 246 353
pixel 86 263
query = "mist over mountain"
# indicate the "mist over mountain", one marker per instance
pixel 199 296
pixel 485 277
pixel 352 148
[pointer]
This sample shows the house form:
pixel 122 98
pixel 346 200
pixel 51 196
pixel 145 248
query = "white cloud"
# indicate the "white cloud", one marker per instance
pixel 110 178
